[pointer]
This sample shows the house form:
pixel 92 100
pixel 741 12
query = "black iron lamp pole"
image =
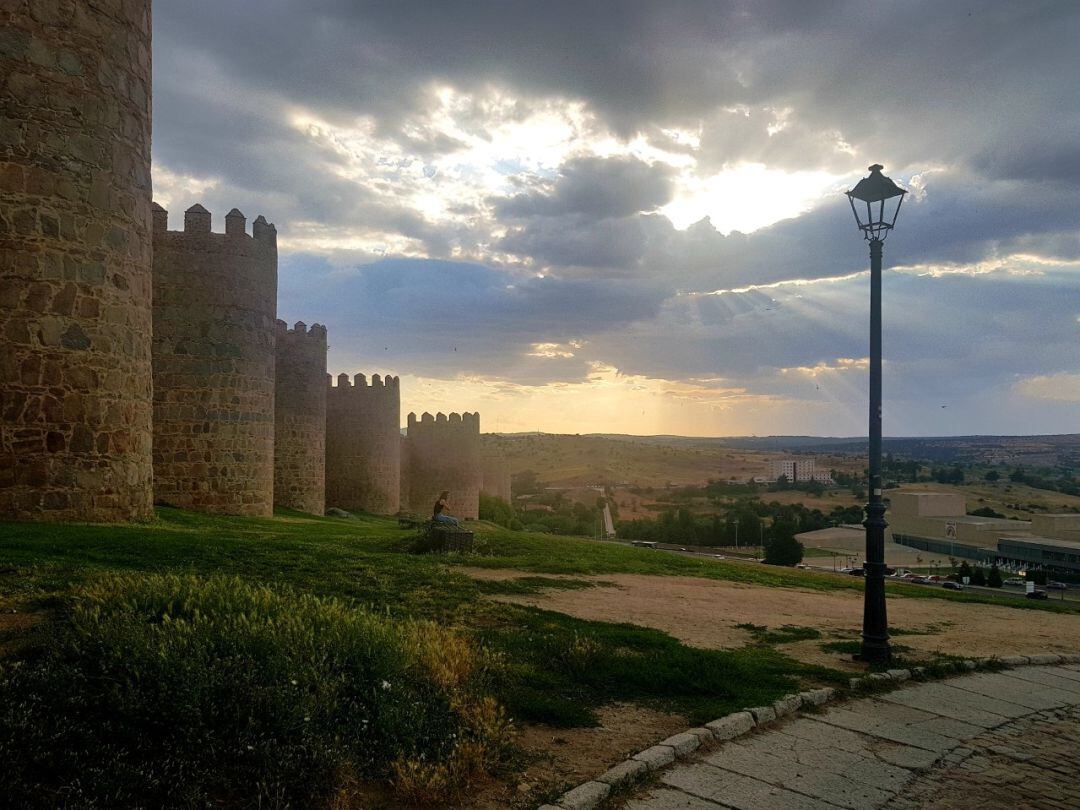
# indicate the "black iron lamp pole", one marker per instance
pixel 882 199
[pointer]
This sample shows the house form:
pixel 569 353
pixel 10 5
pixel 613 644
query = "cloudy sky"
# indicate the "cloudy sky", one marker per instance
pixel 626 215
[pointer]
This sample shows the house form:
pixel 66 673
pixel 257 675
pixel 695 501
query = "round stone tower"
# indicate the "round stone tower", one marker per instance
pixel 363 444
pixel 300 418
pixel 215 304
pixel 444 453
pixel 75 261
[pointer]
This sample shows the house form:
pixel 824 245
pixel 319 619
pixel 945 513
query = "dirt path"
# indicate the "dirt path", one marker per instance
pixel 705 613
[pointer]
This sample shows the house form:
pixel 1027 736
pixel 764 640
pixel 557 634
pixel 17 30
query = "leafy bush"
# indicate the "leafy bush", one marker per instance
pixel 498 511
pixel 782 548
pixel 171 691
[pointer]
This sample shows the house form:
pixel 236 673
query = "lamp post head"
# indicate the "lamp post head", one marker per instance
pixel 882 199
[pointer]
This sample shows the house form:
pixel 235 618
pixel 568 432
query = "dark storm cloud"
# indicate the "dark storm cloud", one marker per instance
pixel 596 188
pixel 441 318
pixel 914 81
pixel 975 106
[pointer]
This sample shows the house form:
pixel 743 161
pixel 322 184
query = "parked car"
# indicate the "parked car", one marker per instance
pixel 857 572
pixel 1057 586
pixel 1015 581
pixel 949 585
pixel 1037 595
pixel 918 579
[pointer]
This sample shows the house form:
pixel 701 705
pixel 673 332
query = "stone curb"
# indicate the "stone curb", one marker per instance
pixel 589 795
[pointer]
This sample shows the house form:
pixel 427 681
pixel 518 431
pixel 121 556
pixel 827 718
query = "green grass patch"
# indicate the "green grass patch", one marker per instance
pixel 560 668
pixel 854 646
pixel 170 691
pixel 536 584
pixel 122 698
pixel 785 634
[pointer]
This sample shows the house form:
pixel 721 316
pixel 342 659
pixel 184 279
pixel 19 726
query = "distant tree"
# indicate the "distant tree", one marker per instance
pixel 1017 476
pixel 498 511
pixel 992 476
pixel 994 578
pixel 782 548
pixel 978 577
pixel 985 511
pixel 525 483
pixel 965 570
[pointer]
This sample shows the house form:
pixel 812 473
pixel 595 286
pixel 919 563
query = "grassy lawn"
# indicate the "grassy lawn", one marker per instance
pixel 542 666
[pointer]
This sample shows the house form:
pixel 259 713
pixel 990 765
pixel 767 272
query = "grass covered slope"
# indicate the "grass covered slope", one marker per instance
pixel 165 690
pixel 176 645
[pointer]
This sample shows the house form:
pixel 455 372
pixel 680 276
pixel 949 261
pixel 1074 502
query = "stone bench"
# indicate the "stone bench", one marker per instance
pixel 451 538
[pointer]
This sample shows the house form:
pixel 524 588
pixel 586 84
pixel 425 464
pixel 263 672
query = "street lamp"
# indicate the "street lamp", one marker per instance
pixel 881 198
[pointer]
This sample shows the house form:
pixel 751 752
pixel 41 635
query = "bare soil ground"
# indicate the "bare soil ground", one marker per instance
pixel 552 760
pixel 15 625
pixel 1004 497
pixel 558 758
pixel 705 613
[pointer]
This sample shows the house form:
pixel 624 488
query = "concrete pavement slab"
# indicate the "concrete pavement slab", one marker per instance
pixel 1045 677
pixel 1002 686
pixel 737 791
pixel 947 701
pixel 866 723
pixel 663 799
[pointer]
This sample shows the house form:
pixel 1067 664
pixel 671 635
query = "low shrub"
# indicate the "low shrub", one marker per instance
pixel 170 691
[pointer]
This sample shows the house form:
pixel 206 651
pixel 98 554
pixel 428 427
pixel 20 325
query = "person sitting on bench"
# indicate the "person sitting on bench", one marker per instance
pixel 438 513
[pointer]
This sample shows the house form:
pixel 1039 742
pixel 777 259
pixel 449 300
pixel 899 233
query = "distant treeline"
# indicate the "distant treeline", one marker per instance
pixel 750 522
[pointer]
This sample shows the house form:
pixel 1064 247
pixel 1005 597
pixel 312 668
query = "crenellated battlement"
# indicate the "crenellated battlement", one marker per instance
pixel 360 382
pixel 198 223
pixel 468 422
pixel 363 443
pixel 299 330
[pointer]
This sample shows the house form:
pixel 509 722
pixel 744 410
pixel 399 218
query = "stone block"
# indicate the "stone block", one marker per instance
pixel 585 796
pixel 762 714
pixel 1044 659
pixel 1014 660
pixel 656 757
pixel 682 743
pixel 702 734
pixel 817 697
pixel 624 773
pixel 789 704
pixel 731 726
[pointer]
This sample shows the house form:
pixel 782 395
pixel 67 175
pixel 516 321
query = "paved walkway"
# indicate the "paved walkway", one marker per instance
pixel 1000 740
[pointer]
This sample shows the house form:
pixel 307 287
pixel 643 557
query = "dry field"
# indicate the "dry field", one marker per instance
pixel 562 460
pixel 706 613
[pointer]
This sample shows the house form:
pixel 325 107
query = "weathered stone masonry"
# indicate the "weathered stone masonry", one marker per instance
pixel 75 247
pixel 496 477
pixel 215 302
pixel 363 444
pixel 300 418
pixel 444 453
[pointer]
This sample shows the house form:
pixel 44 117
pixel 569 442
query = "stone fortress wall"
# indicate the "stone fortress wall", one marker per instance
pixel 363 444
pixel 300 418
pixel 214 315
pixel 495 477
pixel 75 250
pixel 141 363
pixel 444 453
